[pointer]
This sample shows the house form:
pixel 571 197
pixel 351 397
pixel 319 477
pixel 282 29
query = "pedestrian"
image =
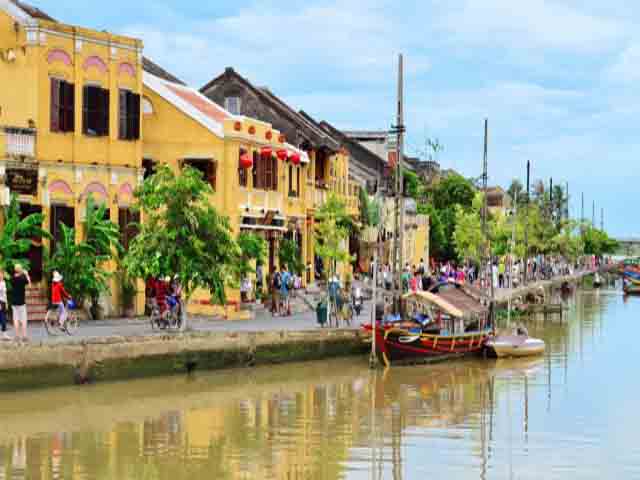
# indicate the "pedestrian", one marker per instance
pixel 275 284
pixel 286 282
pixel 501 273
pixel 259 280
pixel 3 306
pixel 58 297
pixel 19 284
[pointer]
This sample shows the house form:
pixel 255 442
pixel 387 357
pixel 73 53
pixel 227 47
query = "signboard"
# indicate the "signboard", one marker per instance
pixel 22 181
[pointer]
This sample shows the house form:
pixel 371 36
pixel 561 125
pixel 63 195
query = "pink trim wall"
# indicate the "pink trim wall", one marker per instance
pixel 127 69
pixel 95 61
pixel 59 55
pixel 60 186
pixel 97 188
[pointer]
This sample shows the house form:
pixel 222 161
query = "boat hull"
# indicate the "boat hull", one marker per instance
pixel 401 345
pixel 515 347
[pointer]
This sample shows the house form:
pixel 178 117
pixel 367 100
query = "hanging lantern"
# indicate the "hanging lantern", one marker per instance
pixel 281 154
pixel 246 161
pixel 265 151
pixel 295 158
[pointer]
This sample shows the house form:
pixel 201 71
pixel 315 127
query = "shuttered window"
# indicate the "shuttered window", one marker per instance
pixel 129 115
pixel 62 103
pixel 265 172
pixel 95 111
pixel 129 222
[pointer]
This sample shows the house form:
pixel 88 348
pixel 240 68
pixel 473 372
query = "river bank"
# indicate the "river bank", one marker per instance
pixel 111 358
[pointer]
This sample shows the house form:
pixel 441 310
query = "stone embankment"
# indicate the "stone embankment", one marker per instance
pixel 111 358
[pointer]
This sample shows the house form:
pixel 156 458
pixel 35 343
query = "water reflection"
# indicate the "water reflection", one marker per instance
pixel 527 418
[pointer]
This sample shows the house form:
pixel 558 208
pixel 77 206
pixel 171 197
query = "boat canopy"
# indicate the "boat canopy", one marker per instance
pixel 432 299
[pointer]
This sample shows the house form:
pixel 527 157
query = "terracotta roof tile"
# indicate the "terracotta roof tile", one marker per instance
pixel 201 104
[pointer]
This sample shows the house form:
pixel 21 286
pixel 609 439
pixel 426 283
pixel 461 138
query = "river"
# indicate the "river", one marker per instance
pixel 569 414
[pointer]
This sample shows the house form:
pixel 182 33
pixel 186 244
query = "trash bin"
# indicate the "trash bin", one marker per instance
pixel 321 313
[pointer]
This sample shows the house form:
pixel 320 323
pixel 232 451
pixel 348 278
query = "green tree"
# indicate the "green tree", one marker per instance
pixel 290 255
pixel 597 242
pixel 16 235
pixel 253 248
pixel 468 240
pixel 183 235
pixel 331 233
pixel 84 263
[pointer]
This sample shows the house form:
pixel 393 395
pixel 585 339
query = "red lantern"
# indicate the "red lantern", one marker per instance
pixel 265 151
pixel 282 154
pixel 295 158
pixel 246 161
pixel 237 126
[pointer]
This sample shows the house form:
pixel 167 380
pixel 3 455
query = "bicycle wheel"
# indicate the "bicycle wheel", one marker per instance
pixel 51 324
pixel 72 323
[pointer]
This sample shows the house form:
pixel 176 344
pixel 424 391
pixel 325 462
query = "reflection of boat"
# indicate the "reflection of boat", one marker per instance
pixel 630 285
pixel 519 344
pixel 440 329
pixel 597 281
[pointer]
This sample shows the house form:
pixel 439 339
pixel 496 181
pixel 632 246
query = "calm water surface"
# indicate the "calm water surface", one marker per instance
pixel 570 414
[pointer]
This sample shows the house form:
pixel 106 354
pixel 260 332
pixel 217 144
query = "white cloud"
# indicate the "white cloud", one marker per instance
pixel 626 67
pixel 534 24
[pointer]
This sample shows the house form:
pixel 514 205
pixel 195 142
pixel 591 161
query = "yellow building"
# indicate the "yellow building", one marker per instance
pixel 183 127
pixel 69 119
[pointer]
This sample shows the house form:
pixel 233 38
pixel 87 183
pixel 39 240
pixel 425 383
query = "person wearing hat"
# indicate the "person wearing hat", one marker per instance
pixel 19 284
pixel 58 296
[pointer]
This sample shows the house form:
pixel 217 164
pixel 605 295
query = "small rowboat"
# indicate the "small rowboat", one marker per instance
pixel 515 346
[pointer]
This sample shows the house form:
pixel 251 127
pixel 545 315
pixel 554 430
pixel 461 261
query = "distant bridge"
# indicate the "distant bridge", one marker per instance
pixel 629 246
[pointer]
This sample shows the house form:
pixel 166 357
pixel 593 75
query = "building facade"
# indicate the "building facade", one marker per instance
pixel 69 121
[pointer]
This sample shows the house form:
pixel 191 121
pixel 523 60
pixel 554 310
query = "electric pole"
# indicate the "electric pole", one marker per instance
pixel 602 219
pixel 567 211
pixel 399 129
pixel 582 207
pixel 593 215
pixel 526 226
pixel 485 248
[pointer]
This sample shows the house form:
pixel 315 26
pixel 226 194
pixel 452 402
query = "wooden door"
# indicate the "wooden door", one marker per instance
pixel 34 255
pixel 60 214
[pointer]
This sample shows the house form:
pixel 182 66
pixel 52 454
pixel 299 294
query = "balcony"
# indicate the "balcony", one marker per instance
pixel 20 142
pixel 259 200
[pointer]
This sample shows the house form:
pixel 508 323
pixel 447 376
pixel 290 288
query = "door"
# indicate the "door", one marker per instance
pixel 34 255
pixel 60 214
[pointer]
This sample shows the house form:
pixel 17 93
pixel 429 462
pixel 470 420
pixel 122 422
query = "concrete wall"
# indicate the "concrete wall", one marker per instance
pixel 116 358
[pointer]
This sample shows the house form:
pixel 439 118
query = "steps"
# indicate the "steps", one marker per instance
pixel 37 302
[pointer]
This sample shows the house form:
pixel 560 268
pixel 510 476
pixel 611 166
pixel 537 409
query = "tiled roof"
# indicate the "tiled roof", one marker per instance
pixel 158 71
pixel 200 102
pixel 32 11
pixel 190 101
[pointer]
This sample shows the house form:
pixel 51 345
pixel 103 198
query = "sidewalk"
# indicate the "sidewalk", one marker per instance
pixel 124 327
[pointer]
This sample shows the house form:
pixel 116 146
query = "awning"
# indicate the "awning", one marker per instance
pixel 430 298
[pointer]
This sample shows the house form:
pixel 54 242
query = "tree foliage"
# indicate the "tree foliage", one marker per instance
pixel 290 255
pixel 16 235
pixel 332 233
pixel 183 235
pixel 253 248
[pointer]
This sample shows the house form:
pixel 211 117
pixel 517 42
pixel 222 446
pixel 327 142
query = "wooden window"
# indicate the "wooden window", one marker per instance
pixel 265 172
pixel 207 168
pixel 129 121
pixel 148 167
pixel 128 221
pixel 95 111
pixel 62 104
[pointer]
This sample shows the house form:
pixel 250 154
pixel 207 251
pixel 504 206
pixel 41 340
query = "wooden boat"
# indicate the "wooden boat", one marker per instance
pixel 444 332
pixel 630 285
pixel 518 344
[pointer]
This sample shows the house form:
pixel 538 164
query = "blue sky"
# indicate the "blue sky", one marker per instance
pixel 557 78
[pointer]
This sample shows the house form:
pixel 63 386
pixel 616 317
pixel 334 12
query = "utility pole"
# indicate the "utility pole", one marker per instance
pixel 485 249
pixel 399 129
pixel 526 226
pixel 567 210
pixel 582 207
pixel 551 198
pixel 593 215
pixel 602 219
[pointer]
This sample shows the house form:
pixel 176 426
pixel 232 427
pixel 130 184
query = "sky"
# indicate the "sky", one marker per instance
pixel 555 78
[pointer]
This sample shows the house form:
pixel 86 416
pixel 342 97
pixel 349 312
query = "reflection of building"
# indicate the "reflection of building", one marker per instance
pixel 69 121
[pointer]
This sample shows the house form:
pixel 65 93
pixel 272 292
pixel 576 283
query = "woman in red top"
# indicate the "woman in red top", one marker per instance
pixel 58 296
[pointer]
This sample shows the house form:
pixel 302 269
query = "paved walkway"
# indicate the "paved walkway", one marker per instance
pixel 263 321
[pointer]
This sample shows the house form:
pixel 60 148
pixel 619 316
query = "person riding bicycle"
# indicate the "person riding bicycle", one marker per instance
pixel 59 296
pixel 174 293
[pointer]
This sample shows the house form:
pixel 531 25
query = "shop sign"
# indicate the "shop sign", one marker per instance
pixel 22 181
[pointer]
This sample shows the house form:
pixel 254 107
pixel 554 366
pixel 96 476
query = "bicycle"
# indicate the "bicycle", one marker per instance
pixel 52 320
pixel 169 319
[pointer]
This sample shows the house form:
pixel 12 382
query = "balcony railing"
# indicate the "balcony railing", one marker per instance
pixel 260 200
pixel 20 142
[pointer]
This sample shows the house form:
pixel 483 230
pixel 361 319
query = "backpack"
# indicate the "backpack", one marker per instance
pixel 290 282
pixel 277 281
